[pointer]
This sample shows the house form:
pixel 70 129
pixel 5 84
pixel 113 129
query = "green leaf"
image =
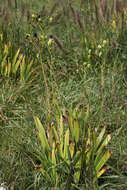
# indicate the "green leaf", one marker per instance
pixel 3 63
pixel 66 144
pixel 61 128
pixel 6 70
pixel 54 132
pixel 76 131
pixel 61 134
pixel 15 60
pixel 103 145
pixel 77 157
pixel 42 135
pixel 70 120
pixel 9 68
pixel 17 64
pixel 71 148
pixel 103 160
pixel 54 160
pixel 100 138
pixel 29 67
pixel 45 174
pixel 101 172
pixel 22 69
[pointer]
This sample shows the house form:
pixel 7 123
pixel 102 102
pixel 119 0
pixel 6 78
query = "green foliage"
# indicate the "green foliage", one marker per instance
pixel 16 67
pixel 55 55
pixel 72 152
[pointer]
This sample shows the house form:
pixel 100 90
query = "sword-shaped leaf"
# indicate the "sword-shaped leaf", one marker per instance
pixel 66 144
pixel 15 60
pixel 102 161
pixel 42 135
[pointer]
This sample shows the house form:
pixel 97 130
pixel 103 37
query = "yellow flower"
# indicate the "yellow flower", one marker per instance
pixel 50 42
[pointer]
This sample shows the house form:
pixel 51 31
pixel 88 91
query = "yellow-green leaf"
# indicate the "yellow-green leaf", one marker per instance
pixel 54 160
pixel 9 68
pixel 16 66
pixel 15 59
pixel 100 138
pixel 42 135
pixel 22 69
pixel 103 160
pixel 101 172
pixel 71 148
pixel 76 131
pixel 103 145
pixel 66 144
pixel 55 135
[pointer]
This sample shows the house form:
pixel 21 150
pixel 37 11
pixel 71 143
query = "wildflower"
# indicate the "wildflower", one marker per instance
pixel 42 37
pixel 37 55
pixel 88 66
pixel 39 19
pixel 104 42
pixel 50 19
pixel 3 186
pixel 85 63
pixel 114 24
pixel 50 42
pixel 100 54
pixel 33 15
pixel 89 51
pixel 99 46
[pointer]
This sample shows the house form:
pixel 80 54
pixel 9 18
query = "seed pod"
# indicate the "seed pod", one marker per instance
pixel 59 44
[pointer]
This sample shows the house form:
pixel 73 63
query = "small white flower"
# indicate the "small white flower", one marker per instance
pixel 99 46
pixel 114 24
pixel 85 63
pixel 104 42
pixel 33 15
pixel 50 42
pixel 50 19
pixel 39 19
pixel 3 186
pixel 88 66
pixel 100 54
pixel 89 52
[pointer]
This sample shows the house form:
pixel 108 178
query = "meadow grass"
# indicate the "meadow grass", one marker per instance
pixel 79 63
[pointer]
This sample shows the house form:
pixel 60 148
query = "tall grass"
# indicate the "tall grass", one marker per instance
pixel 78 53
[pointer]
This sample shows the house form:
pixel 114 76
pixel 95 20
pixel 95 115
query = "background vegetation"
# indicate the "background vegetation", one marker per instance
pixel 63 78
